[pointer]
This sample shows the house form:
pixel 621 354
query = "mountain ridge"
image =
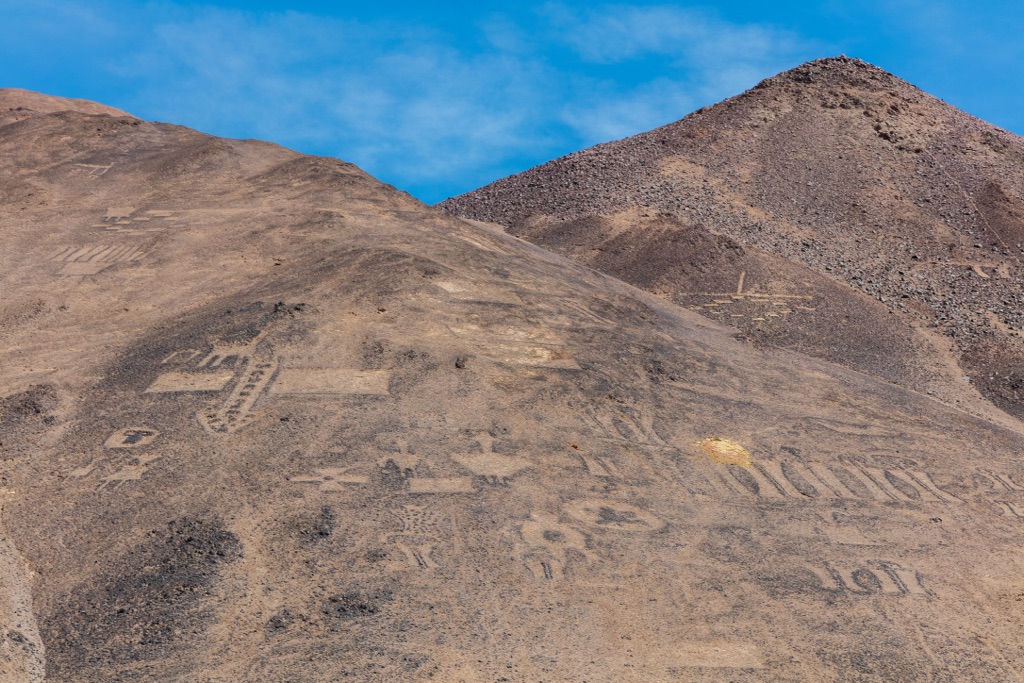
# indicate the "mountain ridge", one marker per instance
pixel 794 169
pixel 16 101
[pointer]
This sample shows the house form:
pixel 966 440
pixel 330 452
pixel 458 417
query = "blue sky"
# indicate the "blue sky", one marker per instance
pixel 438 99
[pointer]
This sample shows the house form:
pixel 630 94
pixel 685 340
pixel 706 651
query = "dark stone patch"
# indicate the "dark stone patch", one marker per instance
pixel 355 604
pixel 375 555
pixel 394 477
pixel 881 657
pixel 732 544
pixel 852 483
pixel 997 370
pixel 1003 212
pixel 902 486
pixel 746 478
pixel 798 581
pixel 38 401
pixel 323 526
pixel 24 414
pixel 149 606
pixel 607 515
pixel 374 353
pixel 794 477
pixel 281 308
pixel 280 621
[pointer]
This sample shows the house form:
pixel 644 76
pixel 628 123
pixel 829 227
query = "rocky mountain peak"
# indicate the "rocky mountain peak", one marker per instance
pixel 833 71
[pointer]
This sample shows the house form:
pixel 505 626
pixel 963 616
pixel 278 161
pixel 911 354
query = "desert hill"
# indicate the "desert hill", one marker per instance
pixel 16 104
pixel 264 418
pixel 833 209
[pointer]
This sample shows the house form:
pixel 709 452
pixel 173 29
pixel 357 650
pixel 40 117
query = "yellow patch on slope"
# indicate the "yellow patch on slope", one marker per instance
pixel 726 452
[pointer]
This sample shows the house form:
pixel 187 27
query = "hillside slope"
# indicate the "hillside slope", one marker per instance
pixel 833 209
pixel 265 419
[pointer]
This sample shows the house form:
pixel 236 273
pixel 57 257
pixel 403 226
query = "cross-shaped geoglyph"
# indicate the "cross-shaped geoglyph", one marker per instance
pixel 332 478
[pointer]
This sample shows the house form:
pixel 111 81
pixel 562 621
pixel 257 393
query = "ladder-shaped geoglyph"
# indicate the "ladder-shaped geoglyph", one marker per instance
pixel 247 367
pixel 92 259
pixel 251 370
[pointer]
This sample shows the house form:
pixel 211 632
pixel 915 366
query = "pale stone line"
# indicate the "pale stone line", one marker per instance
pixel 15 576
pixel 103 254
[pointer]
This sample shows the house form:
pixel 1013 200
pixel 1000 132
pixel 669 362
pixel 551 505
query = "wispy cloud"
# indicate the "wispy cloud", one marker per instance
pixel 692 58
pixel 687 37
pixel 610 112
pixel 429 110
pixel 399 101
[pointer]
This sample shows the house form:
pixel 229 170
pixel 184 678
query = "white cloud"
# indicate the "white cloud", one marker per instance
pixel 430 111
pixel 401 103
pixel 612 34
pixel 694 59
pixel 617 114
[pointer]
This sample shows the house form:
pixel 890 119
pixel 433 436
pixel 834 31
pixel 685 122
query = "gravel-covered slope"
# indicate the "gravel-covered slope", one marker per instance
pixel 911 210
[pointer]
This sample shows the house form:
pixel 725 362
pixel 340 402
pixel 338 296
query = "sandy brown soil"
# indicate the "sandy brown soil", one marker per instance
pixel 263 418
pixel 897 218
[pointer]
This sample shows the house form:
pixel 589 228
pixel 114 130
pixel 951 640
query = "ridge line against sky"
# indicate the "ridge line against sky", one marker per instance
pixel 441 100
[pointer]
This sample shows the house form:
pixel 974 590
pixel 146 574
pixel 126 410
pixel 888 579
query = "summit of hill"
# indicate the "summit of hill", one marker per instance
pixel 893 221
